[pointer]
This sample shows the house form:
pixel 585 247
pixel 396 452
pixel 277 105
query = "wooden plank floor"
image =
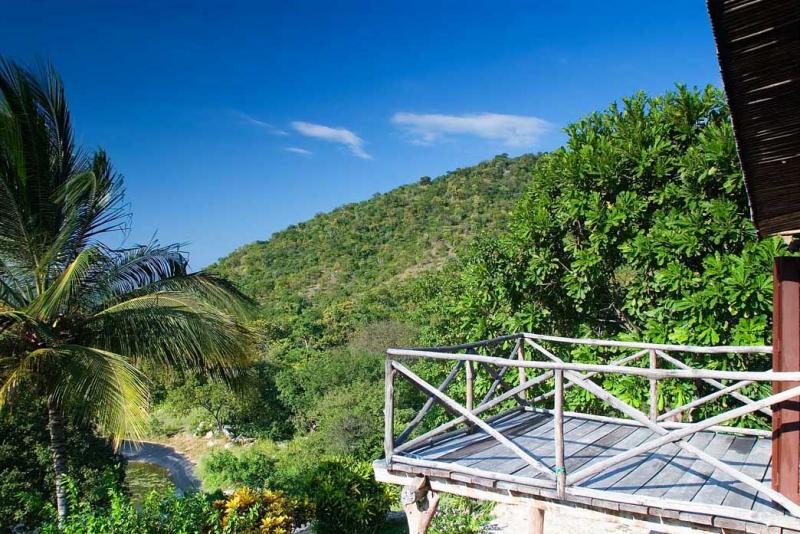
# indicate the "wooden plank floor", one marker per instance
pixel 667 472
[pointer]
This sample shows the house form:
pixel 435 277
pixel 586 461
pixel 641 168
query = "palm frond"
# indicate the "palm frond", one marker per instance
pixel 114 392
pixel 136 268
pixel 37 156
pixel 174 329
pixel 56 298
pixel 93 203
pixel 15 372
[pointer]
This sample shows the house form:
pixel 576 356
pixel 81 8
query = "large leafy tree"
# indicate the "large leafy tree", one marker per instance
pixel 78 319
pixel 637 228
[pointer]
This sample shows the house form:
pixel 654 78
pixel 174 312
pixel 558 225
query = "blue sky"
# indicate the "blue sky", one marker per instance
pixel 232 120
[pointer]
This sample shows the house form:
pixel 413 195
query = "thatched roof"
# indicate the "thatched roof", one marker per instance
pixel 758 44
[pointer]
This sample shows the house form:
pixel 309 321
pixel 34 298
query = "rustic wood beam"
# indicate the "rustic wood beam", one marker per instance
pixel 619 361
pixel 444 427
pixel 582 367
pixel 477 421
pixel 419 504
pixel 719 385
pixel 558 435
pixel 653 388
pixel 702 400
pixel 499 380
pixel 502 373
pixel 720 349
pixel 428 405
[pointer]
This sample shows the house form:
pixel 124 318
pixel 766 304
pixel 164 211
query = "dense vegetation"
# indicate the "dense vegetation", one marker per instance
pixel 637 229
pixel 318 278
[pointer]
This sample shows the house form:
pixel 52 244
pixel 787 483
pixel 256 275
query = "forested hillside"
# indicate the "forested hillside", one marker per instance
pixel 359 251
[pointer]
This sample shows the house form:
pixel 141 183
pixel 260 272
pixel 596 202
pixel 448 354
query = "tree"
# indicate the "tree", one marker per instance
pixel 215 397
pixel 637 228
pixel 76 315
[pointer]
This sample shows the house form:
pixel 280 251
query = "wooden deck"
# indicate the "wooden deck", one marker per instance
pixel 667 472
pixel 660 469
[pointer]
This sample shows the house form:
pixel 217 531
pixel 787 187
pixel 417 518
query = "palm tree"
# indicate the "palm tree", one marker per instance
pixel 77 317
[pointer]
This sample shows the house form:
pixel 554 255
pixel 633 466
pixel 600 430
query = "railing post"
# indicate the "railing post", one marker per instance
pixel 786 357
pixel 558 422
pixel 523 376
pixel 653 388
pixel 388 412
pixel 469 385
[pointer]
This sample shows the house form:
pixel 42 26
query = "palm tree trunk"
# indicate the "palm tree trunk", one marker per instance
pixel 58 447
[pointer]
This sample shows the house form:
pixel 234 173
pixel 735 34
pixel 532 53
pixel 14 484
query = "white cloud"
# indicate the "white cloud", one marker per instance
pixel 298 150
pixel 511 130
pixel 342 136
pixel 244 117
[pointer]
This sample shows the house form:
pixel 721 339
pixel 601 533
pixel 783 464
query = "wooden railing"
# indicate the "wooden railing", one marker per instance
pixel 563 375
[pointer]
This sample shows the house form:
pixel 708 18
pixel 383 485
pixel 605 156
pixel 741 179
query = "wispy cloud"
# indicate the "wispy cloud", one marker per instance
pixel 511 130
pixel 341 136
pixel 298 150
pixel 249 119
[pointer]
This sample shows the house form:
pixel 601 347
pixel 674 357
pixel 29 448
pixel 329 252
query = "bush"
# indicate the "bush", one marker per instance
pixel 346 497
pixel 458 515
pixel 225 469
pixel 266 512
pixel 160 513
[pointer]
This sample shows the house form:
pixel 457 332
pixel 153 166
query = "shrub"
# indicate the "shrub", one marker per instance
pixel 226 469
pixel 349 421
pixel 160 513
pixel 346 497
pixel 458 515
pixel 266 512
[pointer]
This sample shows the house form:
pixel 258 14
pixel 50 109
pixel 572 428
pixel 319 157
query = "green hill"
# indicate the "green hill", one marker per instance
pixel 343 260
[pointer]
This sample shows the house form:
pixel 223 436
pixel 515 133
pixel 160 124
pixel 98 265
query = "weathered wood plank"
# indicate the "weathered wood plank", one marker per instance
pixel 755 465
pixel 598 447
pixel 538 444
pixel 763 503
pixel 460 438
pixel 575 438
pixel 650 468
pixel 676 469
pixel 578 440
pixel 480 444
pixel 604 480
pixel 719 483
pixel 698 472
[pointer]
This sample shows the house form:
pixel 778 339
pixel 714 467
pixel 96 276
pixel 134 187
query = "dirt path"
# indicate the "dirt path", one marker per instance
pixel 180 468
pixel 512 519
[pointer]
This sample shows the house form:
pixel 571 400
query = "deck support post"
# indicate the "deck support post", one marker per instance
pixel 786 357
pixel 536 520
pixel 420 504
pixel 388 412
